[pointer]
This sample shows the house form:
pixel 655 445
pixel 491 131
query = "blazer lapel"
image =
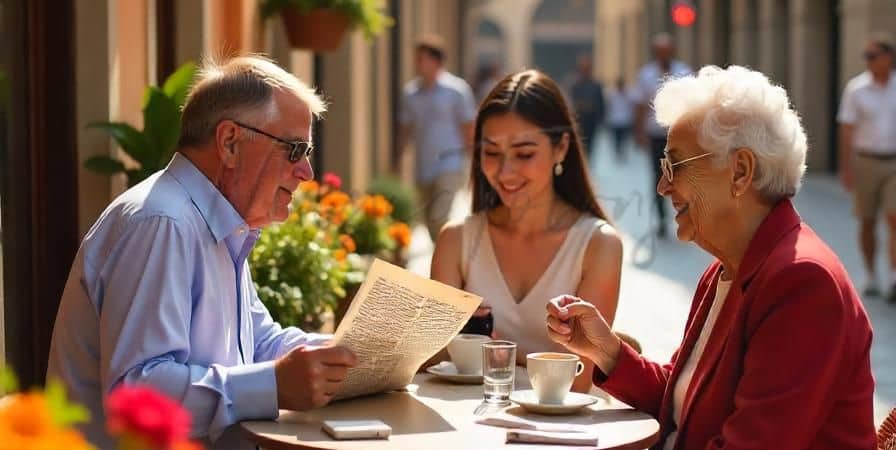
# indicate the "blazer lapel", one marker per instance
pixel 691 334
pixel 780 221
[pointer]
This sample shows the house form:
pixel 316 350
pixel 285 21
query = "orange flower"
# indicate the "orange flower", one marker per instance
pixel 348 243
pixel 376 206
pixel 26 423
pixel 334 200
pixel 293 217
pixel 340 255
pixel 309 187
pixel 401 232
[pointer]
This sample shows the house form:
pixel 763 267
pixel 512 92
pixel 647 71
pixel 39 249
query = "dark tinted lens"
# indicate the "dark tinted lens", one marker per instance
pixel 869 56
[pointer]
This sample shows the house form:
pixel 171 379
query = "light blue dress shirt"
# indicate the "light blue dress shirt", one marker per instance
pixel 437 114
pixel 160 293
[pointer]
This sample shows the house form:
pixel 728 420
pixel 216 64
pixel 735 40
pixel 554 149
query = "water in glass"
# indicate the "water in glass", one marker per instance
pixel 498 367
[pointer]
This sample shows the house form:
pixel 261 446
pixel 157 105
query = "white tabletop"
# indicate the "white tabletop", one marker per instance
pixel 435 414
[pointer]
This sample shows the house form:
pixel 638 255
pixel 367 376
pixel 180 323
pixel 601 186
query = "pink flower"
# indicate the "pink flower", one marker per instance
pixel 332 180
pixel 143 413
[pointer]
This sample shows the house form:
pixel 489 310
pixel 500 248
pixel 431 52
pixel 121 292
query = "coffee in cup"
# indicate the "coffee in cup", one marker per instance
pixel 466 353
pixel 552 374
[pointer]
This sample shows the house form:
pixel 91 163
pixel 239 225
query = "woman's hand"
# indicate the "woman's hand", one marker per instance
pixel 579 326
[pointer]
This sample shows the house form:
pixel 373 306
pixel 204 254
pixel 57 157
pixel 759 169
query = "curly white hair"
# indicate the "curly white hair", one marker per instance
pixel 740 108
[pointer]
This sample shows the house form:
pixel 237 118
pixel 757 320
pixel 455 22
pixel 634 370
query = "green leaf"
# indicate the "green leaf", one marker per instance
pixel 104 165
pixel 131 140
pixel 8 380
pixel 161 123
pixel 177 86
pixel 63 412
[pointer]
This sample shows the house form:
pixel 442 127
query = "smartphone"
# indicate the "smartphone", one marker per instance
pixel 357 429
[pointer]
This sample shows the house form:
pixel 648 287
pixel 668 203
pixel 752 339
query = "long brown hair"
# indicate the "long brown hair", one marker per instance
pixel 537 99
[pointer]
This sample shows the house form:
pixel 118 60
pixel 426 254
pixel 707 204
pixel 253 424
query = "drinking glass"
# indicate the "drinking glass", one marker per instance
pixel 498 368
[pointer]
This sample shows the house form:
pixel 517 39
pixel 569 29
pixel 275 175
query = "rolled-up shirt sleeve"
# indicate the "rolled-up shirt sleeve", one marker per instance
pixel 145 326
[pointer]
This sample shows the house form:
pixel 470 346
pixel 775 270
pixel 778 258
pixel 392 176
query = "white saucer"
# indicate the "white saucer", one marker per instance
pixel 448 371
pixel 573 402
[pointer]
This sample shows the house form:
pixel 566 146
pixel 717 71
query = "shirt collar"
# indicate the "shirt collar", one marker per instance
pixel 220 216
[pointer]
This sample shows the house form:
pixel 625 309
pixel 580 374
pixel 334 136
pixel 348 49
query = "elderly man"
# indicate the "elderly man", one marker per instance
pixel 160 292
pixel 868 147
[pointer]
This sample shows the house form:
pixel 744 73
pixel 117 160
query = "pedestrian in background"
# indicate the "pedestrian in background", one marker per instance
pixel 620 117
pixel 868 147
pixel 438 110
pixel 587 97
pixel 648 132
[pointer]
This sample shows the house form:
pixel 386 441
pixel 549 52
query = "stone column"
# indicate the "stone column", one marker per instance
pixel 856 23
pixel 743 33
pixel 189 39
pixel 348 119
pixel 92 36
pixel 810 75
pixel 773 40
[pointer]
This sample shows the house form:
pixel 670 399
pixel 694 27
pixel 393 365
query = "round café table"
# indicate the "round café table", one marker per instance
pixel 434 414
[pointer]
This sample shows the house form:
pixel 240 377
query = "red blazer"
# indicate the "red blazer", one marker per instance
pixel 787 365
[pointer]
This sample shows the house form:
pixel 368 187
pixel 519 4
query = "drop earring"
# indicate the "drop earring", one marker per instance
pixel 558 169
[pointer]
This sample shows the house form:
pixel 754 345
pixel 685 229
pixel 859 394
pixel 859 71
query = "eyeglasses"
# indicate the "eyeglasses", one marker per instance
pixel 297 149
pixel 668 166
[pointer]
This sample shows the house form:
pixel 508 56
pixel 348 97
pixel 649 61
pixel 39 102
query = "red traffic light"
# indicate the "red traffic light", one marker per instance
pixel 683 14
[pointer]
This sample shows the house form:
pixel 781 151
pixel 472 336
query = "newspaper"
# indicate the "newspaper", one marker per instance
pixel 396 322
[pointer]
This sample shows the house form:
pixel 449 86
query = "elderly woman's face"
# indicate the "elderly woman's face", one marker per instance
pixel 700 192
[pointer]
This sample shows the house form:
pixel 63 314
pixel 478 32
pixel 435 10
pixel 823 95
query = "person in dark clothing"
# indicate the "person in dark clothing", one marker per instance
pixel 587 97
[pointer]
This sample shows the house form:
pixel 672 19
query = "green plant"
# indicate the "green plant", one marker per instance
pixel 300 267
pixel 363 14
pixel 402 197
pixel 152 147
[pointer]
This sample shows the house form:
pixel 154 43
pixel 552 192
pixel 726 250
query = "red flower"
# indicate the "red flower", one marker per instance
pixel 332 180
pixel 148 415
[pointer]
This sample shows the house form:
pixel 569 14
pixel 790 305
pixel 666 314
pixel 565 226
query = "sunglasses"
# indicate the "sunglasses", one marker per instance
pixel 669 166
pixel 296 149
pixel 870 56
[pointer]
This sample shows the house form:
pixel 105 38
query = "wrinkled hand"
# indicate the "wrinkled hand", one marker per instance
pixel 579 326
pixel 308 377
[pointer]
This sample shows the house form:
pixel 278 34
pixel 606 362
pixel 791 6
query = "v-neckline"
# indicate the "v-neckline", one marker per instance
pixel 503 279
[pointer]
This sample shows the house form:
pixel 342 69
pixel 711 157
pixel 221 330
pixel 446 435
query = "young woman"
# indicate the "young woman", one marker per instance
pixel 537 230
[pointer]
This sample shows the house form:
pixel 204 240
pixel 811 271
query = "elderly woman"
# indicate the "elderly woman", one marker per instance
pixel 776 352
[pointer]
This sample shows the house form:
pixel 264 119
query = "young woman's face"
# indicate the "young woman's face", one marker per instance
pixel 518 159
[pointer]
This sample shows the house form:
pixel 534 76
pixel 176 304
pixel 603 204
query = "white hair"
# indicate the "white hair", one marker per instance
pixel 740 108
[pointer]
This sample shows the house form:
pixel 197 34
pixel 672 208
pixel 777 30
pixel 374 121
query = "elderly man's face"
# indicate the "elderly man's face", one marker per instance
pixel 700 192
pixel 261 180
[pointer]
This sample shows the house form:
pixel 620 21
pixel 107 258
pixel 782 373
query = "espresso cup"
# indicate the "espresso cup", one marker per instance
pixel 552 374
pixel 466 353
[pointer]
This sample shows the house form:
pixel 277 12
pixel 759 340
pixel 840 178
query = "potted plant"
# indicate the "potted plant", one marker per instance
pixel 301 267
pixel 319 25
pixel 152 147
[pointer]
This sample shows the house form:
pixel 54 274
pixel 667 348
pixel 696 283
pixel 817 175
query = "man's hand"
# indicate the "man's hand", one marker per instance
pixel 846 177
pixel 579 326
pixel 308 377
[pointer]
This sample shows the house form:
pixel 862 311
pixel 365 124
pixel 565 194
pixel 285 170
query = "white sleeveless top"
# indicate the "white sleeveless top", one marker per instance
pixel 523 322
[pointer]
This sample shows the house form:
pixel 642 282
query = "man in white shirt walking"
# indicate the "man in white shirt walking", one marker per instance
pixel 868 152
pixel 647 131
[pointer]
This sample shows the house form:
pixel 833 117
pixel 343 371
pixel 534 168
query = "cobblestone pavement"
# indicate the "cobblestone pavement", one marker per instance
pixel 659 276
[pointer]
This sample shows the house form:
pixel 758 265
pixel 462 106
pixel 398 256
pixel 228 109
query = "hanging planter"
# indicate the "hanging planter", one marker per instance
pixel 320 30
pixel 320 25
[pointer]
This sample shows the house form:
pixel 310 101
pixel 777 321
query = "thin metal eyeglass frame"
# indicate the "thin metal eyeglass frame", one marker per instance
pixel 667 165
pixel 295 152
